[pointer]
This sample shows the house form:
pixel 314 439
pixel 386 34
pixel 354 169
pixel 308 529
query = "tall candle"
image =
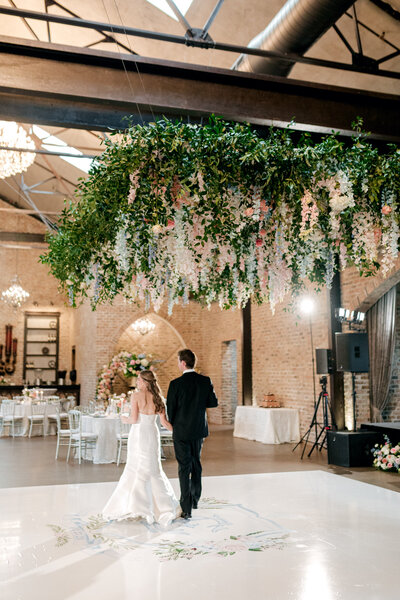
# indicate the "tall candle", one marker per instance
pixel 14 347
pixel 1 351
pixel 8 339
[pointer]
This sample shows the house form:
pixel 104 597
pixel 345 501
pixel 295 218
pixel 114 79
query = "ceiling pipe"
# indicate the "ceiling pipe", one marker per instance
pixel 295 28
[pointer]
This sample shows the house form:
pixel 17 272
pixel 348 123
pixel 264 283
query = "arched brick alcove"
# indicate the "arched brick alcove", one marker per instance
pixel 163 343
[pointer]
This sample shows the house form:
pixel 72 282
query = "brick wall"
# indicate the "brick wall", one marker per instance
pixel 362 293
pixel 392 409
pixel 43 290
pixel 282 354
pixel 229 390
pixel 100 335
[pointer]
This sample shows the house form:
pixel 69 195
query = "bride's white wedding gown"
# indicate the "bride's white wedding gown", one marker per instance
pixel 143 490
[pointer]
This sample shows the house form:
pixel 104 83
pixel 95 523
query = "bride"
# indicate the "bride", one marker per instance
pixel 144 490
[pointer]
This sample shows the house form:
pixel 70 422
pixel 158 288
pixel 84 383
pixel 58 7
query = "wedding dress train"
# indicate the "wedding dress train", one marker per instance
pixel 143 490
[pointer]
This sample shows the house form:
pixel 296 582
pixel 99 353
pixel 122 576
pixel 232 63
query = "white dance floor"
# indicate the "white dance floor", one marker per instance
pixel 306 535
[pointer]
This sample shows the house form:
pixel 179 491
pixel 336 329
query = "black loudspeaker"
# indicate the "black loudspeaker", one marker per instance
pixel 351 448
pixel 352 352
pixel 324 361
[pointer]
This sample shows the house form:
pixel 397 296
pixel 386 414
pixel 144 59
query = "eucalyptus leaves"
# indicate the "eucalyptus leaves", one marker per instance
pixel 215 212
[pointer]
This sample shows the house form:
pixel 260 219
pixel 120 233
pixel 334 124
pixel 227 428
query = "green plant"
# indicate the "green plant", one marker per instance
pixel 218 213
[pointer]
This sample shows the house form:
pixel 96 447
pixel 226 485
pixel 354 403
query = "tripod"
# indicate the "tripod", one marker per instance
pixel 323 399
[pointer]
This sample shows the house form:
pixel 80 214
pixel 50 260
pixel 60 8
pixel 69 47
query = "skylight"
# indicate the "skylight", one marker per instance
pixel 54 144
pixel 163 5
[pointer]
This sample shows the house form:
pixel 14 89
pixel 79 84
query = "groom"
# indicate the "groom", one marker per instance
pixel 187 400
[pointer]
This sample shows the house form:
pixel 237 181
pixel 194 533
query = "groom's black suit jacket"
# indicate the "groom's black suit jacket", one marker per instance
pixel 187 399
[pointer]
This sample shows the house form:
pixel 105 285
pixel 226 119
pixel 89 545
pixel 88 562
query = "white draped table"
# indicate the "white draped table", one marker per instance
pixel 107 429
pixel 23 410
pixel 267 425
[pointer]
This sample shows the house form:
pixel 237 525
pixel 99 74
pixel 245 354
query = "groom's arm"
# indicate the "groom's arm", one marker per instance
pixel 171 402
pixel 212 400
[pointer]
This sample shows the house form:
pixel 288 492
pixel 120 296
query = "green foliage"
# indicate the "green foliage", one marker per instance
pixel 166 211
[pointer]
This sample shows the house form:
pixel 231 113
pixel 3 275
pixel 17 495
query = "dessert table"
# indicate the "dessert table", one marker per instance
pixel 267 425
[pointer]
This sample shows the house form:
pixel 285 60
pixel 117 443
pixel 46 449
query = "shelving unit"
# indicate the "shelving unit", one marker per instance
pixel 41 347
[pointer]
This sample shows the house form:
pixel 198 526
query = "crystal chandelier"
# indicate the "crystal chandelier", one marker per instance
pixel 15 295
pixel 12 162
pixel 143 326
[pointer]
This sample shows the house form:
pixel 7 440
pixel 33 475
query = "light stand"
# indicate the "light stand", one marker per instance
pixel 328 421
pixel 313 368
pixel 353 394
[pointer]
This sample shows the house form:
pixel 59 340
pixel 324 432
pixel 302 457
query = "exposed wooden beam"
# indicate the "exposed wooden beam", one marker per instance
pixel 84 88
pixel 14 236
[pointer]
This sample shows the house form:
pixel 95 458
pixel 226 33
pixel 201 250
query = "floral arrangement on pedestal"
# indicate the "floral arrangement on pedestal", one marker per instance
pixel 127 363
pixel 386 456
pixel 218 213
pixel 116 403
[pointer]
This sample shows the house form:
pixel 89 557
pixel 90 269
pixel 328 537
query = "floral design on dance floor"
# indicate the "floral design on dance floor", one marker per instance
pixel 218 528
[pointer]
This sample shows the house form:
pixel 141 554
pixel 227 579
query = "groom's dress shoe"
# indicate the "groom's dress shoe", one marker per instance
pixel 186 516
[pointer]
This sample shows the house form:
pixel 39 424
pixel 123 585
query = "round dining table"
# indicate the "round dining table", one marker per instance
pixel 107 428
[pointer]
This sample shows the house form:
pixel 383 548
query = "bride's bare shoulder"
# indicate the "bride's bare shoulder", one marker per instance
pixel 137 395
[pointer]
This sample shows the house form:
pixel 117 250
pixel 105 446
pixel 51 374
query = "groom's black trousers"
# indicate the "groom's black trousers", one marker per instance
pixel 187 454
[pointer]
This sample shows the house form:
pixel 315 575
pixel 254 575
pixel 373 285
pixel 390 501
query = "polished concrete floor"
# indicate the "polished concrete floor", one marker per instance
pixel 30 462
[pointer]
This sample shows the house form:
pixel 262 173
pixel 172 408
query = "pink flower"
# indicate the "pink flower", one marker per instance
pixel 262 232
pixel 132 362
pixel 377 235
pixel 389 465
pixel 259 242
pixel 386 210
pixel 170 224
pixel 249 212
pixel 137 362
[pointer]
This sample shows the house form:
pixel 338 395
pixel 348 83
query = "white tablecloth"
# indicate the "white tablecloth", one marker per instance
pixel 107 429
pixel 23 410
pixel 267 425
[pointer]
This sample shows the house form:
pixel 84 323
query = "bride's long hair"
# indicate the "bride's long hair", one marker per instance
pixel 153 387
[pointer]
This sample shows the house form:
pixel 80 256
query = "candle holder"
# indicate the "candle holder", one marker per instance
pixel 7 365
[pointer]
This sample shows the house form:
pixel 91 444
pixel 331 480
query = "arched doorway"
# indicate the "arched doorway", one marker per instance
pixel 163 343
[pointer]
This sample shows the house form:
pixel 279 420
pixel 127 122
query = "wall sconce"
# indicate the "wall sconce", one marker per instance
pixel 352 317
pixel 7 366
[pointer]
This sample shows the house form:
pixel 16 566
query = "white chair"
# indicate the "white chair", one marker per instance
pixel 10 419
pixel 63 435
pixel 78 439
pixel 71 402
pixel 122 437
pixel 166 440
pixel 54 407
pixel 37 416
pixel 19 398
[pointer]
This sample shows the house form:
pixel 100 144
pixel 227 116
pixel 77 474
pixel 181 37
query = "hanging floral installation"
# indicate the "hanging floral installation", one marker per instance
pixel 127 363
pixel 217 213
